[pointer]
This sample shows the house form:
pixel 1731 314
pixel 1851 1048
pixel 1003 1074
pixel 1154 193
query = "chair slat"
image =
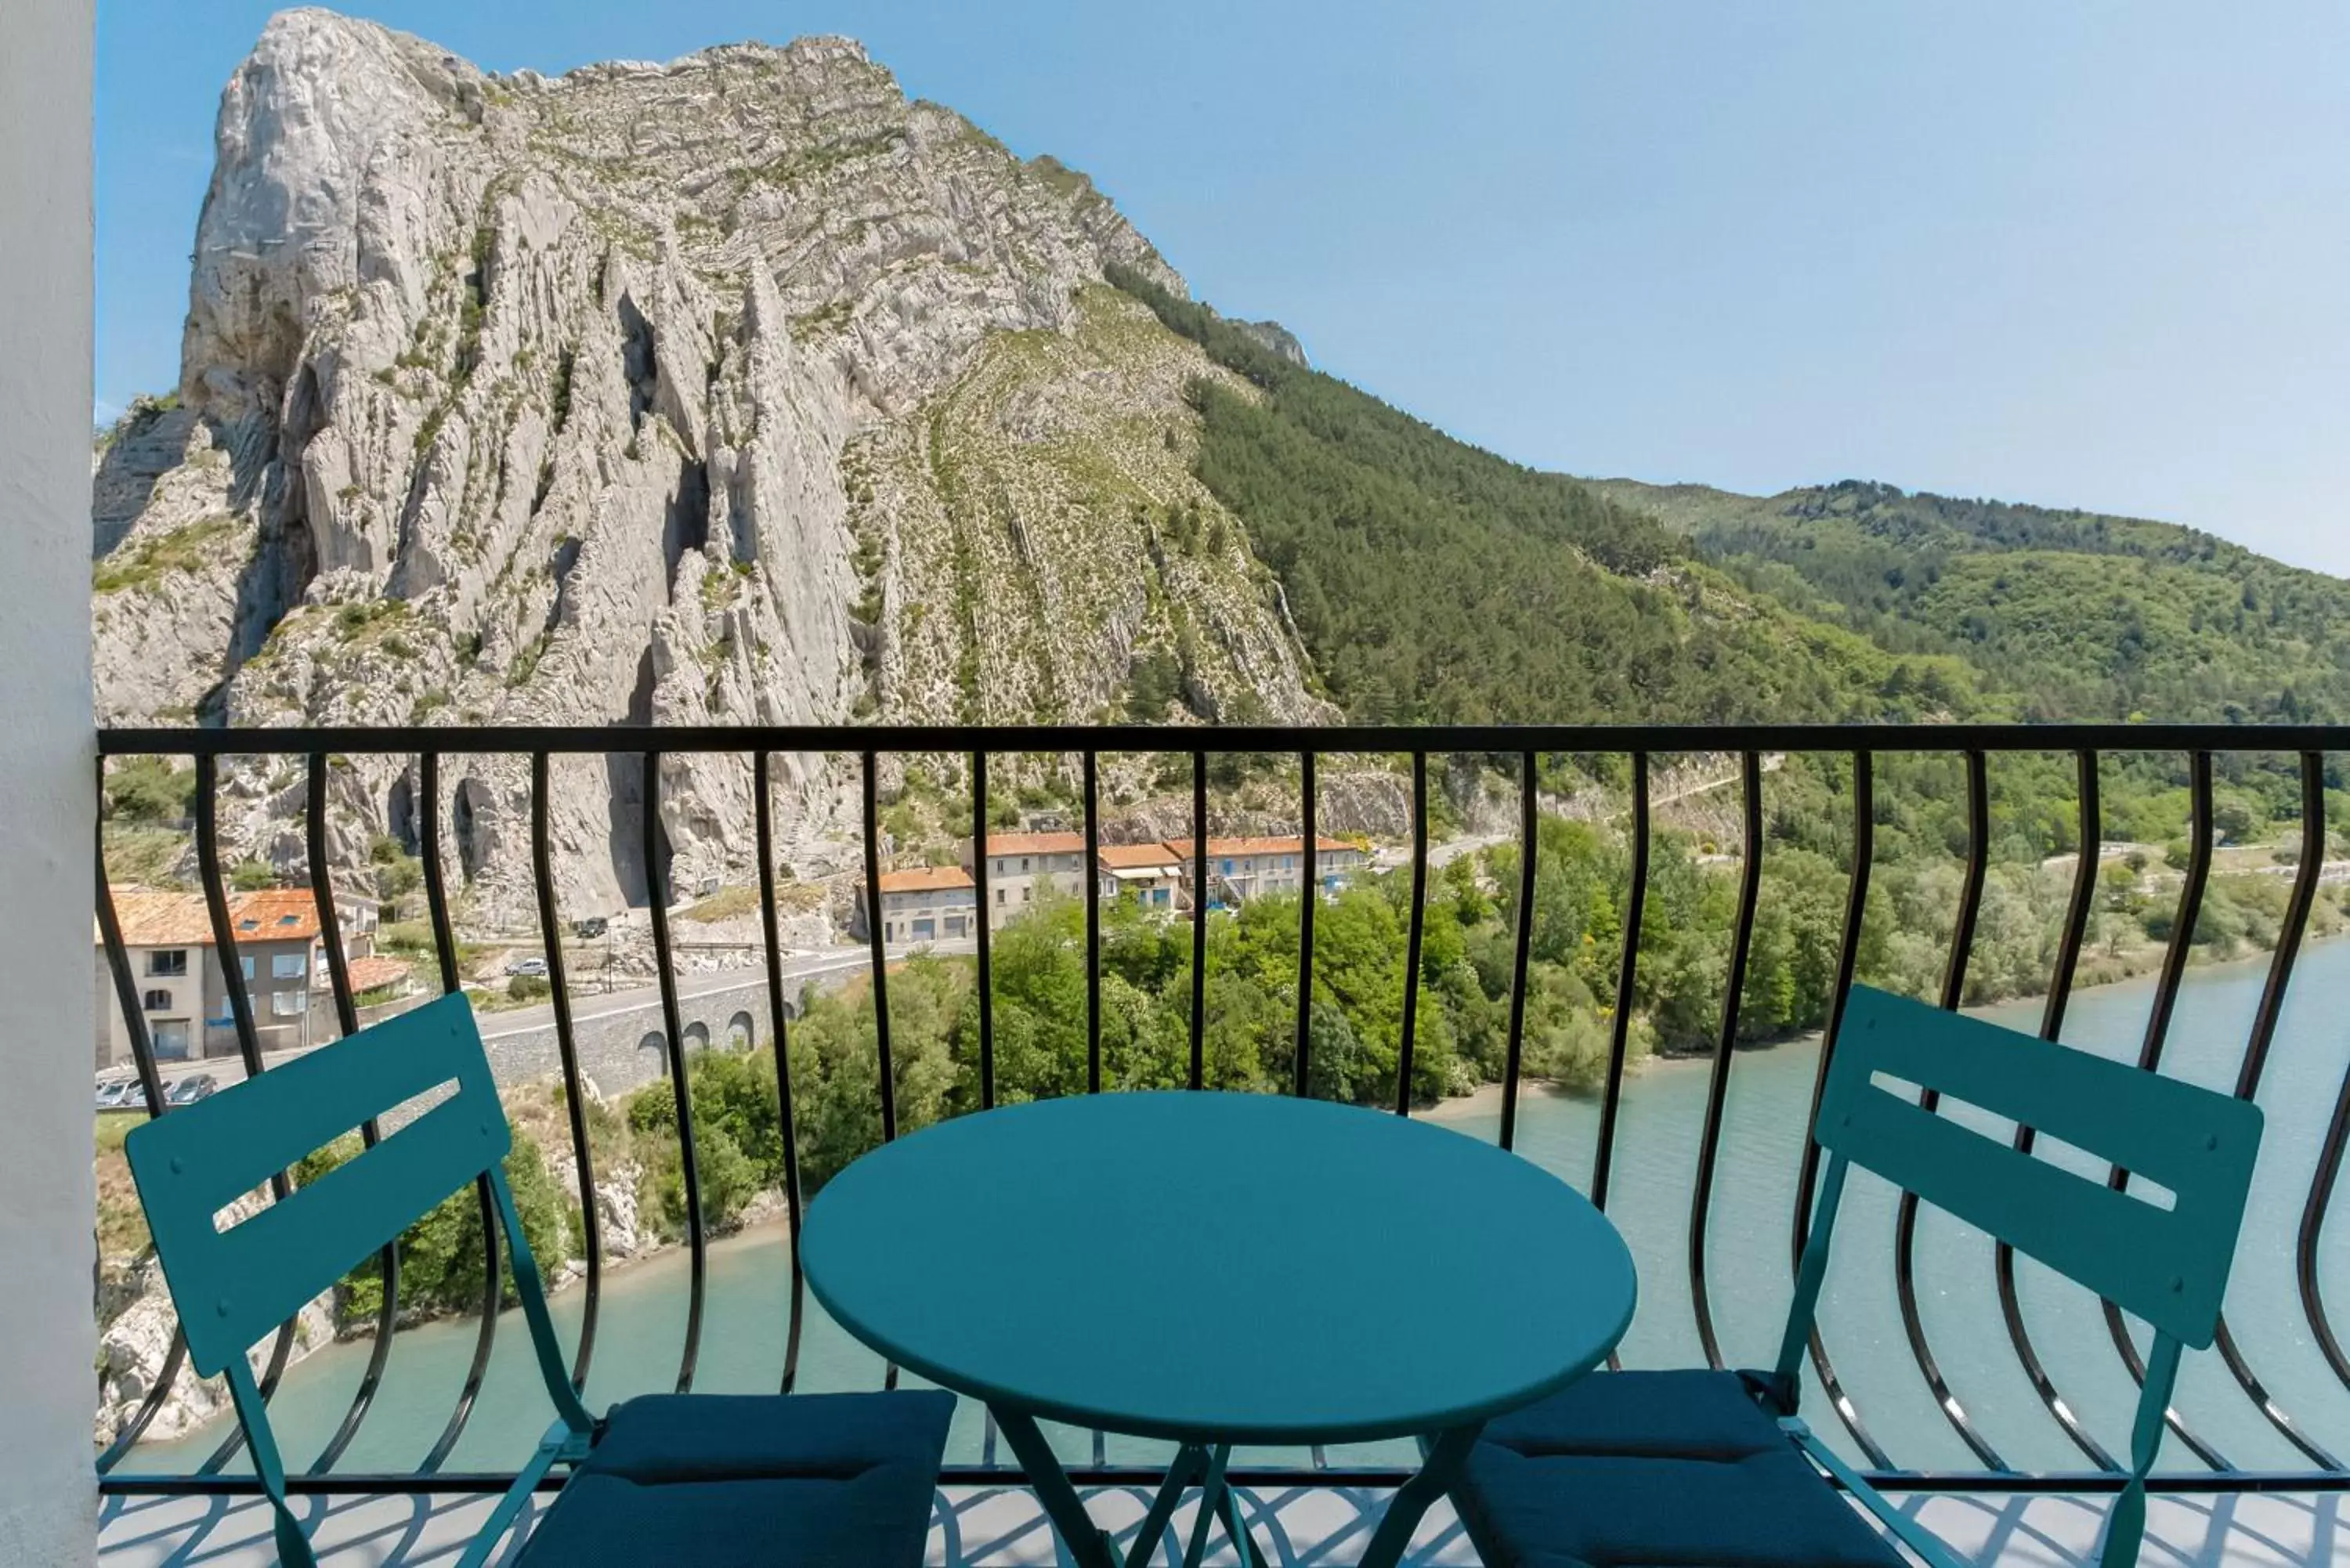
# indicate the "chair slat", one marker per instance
pixel 2168 1266
pixel 236 1285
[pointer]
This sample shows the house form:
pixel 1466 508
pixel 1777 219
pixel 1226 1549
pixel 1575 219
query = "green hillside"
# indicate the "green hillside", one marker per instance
pixel 1434 582
pixel 2066 614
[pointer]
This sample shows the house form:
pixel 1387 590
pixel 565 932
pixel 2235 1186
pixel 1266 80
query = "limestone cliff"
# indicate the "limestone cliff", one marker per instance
pixel 741 388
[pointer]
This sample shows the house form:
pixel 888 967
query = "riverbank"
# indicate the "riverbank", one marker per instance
pixel 2106 975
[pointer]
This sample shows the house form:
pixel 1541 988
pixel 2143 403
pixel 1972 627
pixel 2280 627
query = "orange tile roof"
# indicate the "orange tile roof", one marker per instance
pixel 279 915
pixel 1131 857
pixel 1293 844
pixel 925 879
pixel 1035 843
pixel 162 918
pixel 157 917
pixel 375 971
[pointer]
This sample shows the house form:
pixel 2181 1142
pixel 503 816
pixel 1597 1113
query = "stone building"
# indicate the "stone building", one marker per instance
pixel 182 984
pixel 1148 874
pixel 925 904
pixel 1025 868
pixel 1240 870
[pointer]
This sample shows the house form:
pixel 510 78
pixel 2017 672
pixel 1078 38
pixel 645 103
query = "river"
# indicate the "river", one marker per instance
pixel 640 1332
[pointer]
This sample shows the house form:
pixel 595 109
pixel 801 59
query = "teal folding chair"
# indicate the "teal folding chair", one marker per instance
pixel 1684 1467
pixel 842 1479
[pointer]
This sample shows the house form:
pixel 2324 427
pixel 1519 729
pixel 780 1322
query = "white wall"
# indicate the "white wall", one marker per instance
pixel 48 1339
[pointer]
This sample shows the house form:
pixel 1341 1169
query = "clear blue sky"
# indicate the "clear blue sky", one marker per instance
pixel 2095 254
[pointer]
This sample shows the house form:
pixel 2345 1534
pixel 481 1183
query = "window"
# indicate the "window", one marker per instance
pixel 1228 867
pixel 1024 865
pixel 289 966
pixel 288 1003
pixel 158 1001
pixel 168 962
pixel 999 897
pixel 1025 892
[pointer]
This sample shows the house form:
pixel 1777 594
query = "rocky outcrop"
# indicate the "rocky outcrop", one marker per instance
pixel 741 388
pixel 137 1328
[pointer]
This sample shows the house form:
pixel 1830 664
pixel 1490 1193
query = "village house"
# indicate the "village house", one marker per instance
pixel 1148 874
pixel 1240 870
pixel 183 985
pixel 1025 868
pixel 925 904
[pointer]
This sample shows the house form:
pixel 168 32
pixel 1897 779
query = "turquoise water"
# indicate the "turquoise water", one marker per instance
pixel 640 1332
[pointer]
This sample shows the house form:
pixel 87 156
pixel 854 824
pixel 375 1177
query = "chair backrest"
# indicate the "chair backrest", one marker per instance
pixel 2167 1262
pixel 235 1284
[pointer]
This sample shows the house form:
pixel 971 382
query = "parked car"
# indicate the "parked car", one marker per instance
pixel 190 1089
pixel 531 966
pixel 118 1094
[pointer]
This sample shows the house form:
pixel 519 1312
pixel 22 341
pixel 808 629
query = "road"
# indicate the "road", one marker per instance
pixel 799 968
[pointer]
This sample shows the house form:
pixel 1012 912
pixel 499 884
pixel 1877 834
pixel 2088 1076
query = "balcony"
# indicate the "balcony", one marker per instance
pixel 1985 1392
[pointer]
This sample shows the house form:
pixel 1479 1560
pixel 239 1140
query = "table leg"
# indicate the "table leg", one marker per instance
pixel 1212 1504
pixel 1085 1540
pixel 1438 1469
pixel 1189 1462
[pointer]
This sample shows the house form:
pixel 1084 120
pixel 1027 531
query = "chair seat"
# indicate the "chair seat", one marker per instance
pixel 807 1481
pixel 1655 1470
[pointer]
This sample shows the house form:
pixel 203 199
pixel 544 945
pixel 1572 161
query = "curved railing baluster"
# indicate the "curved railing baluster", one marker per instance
pixel 1855 907
pixel 1717 1093
pixel 876 939
pixel 697 1240
pixel 1628 968
pixel 248 1040
pixel 1620 1033
pixel 2051 1026
pixel 150 1087
pixel 2256 1057
pixel 2314 1213
pixel 1310 889
pixel 1414 931
pixel 1521 946
pixel 1905 1224
pixel 2149 1057
pixel 1199 918
pixel 1093 879
pixel 566 1046
pixel 347 1017
pixel 444 948
pixel 762 787
pixel 986 919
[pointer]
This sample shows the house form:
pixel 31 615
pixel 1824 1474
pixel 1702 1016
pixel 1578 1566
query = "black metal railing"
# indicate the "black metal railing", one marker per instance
pixel 2306 746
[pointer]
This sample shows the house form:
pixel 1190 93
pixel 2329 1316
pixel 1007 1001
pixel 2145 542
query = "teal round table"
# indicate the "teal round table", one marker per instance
pixel 1217 1269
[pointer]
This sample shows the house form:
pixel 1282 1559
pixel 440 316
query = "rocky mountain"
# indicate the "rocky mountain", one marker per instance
pixel 738 388
pixel 744 388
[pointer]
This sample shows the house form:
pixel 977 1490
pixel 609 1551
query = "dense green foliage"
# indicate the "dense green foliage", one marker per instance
pixel 1435 582
pixel 1355 1025
pixel 150 790
pixel 441 1255
pixel 2067 615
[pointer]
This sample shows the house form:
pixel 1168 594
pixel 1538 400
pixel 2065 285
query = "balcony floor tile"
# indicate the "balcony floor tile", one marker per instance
pixel 1302 1527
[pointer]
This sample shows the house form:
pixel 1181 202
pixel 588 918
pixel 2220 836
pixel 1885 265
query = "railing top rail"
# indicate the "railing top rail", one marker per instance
pixel 359 740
